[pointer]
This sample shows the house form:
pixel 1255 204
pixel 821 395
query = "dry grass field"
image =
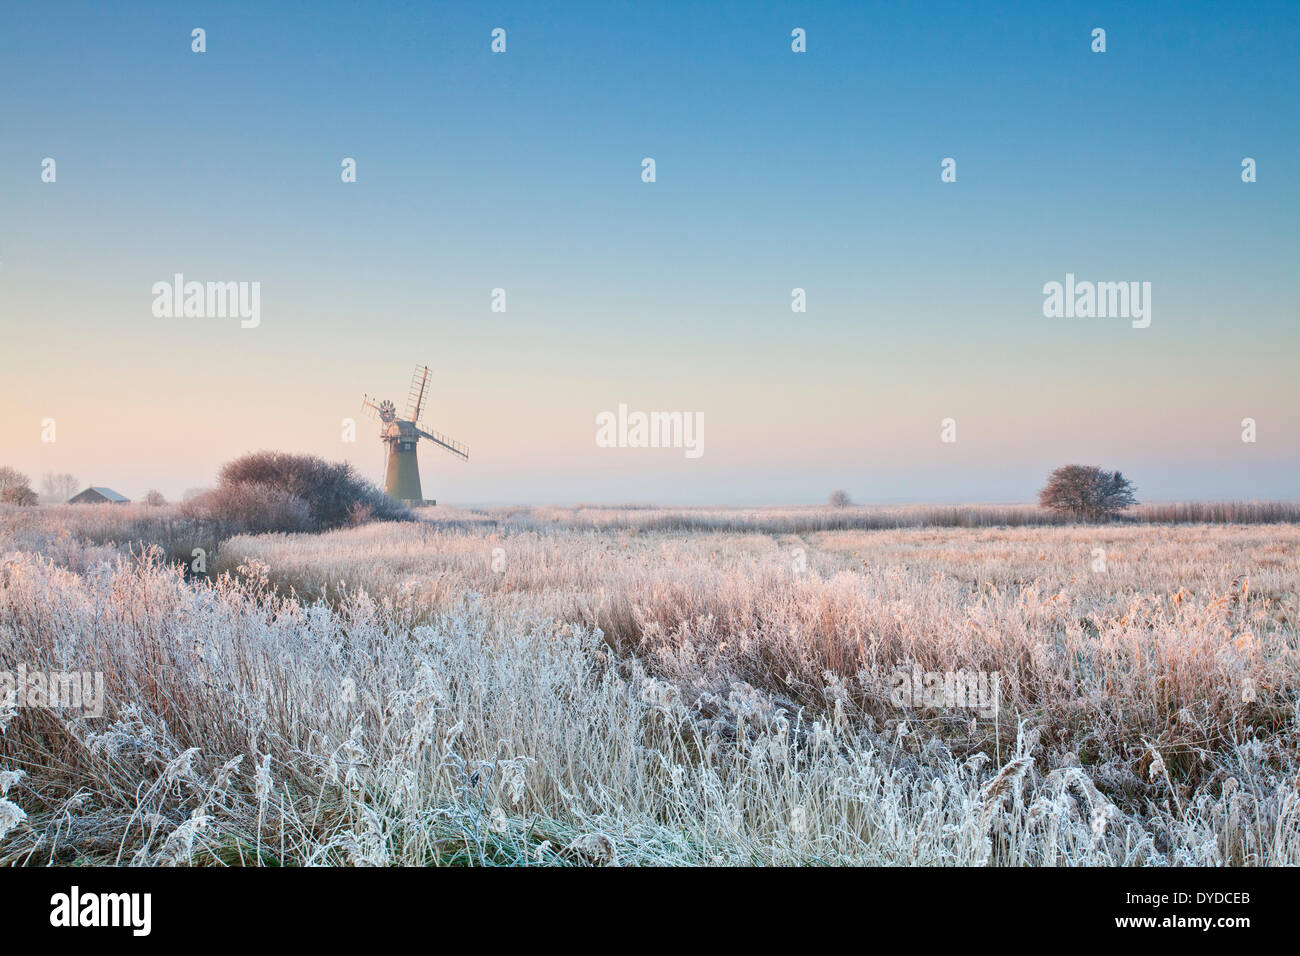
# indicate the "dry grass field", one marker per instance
pixel 525 686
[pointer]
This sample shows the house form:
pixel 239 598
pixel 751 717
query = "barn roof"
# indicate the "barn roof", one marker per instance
pixel 109 493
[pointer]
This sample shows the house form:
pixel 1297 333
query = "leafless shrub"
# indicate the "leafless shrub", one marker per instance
pixel 329 490
pixel 250 507
pixel 1087 493
pixel 16 488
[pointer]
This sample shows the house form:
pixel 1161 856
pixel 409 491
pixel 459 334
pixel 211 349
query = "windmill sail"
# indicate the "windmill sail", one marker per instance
pixel 453 446
pixel 415 398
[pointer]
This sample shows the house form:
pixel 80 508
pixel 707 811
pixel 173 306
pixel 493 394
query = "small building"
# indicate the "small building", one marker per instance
pixel 99 496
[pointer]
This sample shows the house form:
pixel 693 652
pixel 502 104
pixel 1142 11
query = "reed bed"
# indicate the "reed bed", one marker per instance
pixel 513 689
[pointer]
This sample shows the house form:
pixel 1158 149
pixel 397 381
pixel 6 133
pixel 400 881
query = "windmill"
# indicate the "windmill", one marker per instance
pixel 402 482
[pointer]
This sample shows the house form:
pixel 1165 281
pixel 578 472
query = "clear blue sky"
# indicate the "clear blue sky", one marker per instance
pixel 775 170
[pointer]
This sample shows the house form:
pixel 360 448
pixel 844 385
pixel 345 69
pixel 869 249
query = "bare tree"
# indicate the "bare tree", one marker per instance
pixel 839 499
pixel 154 497
pixel 15 487
pixel 1087 492
pixel 57 488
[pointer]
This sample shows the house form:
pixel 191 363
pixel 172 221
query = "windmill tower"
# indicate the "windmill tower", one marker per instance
pixel 402 482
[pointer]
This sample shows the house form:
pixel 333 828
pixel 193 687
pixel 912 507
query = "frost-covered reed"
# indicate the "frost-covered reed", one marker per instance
pixel 416 694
